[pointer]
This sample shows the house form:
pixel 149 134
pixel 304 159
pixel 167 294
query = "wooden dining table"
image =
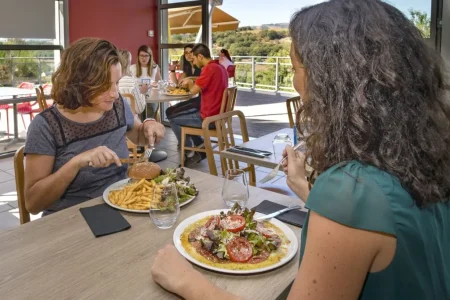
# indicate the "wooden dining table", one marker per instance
pixel 58 257
pixel 262 143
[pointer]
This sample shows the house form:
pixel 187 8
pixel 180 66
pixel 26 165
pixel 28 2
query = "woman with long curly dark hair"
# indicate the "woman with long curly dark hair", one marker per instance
pixel 376 111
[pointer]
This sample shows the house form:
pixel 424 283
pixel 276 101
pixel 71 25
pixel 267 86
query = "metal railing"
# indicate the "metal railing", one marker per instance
pixel 263 73
pixel 14 70
pixel 266 73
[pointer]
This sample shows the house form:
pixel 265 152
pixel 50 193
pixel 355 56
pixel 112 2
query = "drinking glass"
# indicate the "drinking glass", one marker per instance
pixel 279 142
pixel 235 188
pixel 164 213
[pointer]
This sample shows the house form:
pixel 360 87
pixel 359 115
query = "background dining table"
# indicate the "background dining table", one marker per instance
pixel 263 143
pixel 58 257
pixel 155 96
pixel 10 95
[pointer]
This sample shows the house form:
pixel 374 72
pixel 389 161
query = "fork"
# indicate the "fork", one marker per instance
pixel 277 213
pixel 274 172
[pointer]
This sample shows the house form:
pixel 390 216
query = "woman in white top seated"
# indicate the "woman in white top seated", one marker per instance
pixel 146 69
pixel 128 84
pixel 225 59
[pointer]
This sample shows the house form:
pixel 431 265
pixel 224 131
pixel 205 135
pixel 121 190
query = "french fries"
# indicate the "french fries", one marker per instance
pixel 178 92
pixel 140 195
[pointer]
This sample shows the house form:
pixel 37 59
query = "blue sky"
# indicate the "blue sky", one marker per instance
pixel 257 12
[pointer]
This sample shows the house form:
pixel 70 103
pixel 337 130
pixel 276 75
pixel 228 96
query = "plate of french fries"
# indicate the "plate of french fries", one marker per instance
pixel 177 92
pixel 136 196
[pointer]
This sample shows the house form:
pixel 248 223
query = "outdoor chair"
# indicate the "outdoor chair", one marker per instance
pixel 293 105
pixel 19 171
pixel 228 102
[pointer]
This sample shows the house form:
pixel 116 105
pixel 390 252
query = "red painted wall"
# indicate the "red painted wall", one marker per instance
pixel 124 23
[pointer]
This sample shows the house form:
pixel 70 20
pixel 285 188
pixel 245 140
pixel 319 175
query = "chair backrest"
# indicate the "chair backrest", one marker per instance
pixel 132 100
pixel 26 85
pixel 293 105
pixel 19 170
pixel 41 98
pixel 231 70
pixel 130 145
pixel 225 136
pixel 228 99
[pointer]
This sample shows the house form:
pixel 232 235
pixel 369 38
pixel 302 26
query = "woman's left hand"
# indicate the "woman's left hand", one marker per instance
pixel 154 132
pixel 171 270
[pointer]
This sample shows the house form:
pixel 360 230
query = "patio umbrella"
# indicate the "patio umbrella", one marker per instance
pixel 189 20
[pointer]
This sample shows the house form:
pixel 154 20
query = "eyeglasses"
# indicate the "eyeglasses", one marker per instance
pixel 187 53
pixel 144 56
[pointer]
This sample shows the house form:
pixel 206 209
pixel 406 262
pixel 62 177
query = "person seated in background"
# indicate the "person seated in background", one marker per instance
pixel 377 114
pixel 211 84
pixel 128 83
pixel 147 72
pixel 225 59
pixel 190 70
pixel 73 148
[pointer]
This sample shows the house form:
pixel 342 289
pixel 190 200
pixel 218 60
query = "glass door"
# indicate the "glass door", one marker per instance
pixel 180 22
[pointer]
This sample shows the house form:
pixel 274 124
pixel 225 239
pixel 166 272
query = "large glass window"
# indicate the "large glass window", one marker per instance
pixel 180 23
pixel 32 59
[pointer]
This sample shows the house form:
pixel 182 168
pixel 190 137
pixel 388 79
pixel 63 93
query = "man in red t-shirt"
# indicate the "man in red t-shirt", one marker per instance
pixel 211 83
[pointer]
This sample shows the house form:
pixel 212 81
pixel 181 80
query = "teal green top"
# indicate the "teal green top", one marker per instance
pixel 364 197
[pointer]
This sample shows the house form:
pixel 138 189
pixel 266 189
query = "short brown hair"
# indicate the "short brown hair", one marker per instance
pixel 84 72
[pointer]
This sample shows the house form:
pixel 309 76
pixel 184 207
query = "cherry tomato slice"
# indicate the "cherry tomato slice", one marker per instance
pixel 233 223
pixel 239 249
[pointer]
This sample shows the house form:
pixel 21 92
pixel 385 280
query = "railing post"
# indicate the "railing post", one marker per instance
pixel 276 75
pixel 12 69
pixel 253 73
pixel 39 71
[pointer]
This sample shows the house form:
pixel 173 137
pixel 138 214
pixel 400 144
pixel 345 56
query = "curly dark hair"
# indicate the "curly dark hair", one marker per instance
pixel 375 93
pixel 84 72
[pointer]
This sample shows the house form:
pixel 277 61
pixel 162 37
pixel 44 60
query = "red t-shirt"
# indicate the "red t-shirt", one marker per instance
pixel 213 81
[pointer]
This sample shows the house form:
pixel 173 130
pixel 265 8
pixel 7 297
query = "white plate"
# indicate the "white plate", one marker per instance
pixel 118 185
pixel 188 94
pixel 290 235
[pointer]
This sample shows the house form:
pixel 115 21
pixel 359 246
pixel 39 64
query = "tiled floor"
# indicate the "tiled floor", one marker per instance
pixel 9 216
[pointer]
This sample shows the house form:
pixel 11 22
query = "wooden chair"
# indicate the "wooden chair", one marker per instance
pixel 228 102
pixel 231 70
pixel 225 136
pixel 131 146
pixel 224 133
pixel 19 171
pixel 41 98
pixel 293 105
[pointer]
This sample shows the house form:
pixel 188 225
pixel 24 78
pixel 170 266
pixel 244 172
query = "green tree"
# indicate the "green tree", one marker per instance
pixel 421 21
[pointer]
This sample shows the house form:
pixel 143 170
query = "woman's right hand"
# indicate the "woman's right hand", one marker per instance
pixel 172 67
pixel 294 168
pixel 100 157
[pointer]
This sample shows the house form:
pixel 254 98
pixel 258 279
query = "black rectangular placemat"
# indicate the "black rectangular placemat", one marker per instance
pixel 103 219
pixel 293 217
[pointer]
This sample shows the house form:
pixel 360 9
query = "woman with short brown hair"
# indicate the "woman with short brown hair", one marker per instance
pixel 73 147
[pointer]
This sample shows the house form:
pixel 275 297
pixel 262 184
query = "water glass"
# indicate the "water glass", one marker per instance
pixel 162 86
pixel 235 188
pixel 279 142
pixel 164 213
